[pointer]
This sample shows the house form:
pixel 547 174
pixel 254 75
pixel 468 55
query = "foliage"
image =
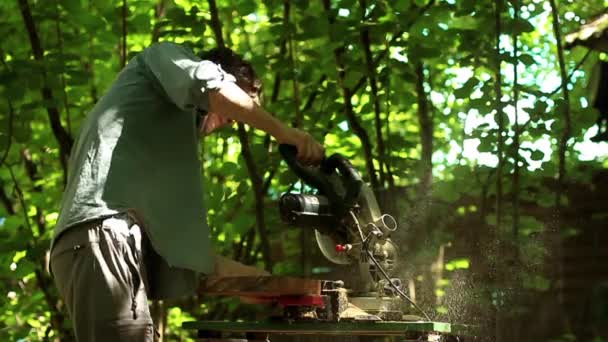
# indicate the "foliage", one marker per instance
pixel 433 62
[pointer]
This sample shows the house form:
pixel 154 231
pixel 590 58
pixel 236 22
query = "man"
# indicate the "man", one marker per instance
pixel 132 222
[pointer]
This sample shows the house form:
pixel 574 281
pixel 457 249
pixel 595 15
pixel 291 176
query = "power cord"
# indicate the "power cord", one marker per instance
pixel 395 287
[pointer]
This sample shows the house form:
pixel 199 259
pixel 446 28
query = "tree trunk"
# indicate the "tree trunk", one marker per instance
pixel 563 146
pixel 515 129
pixel 495 277
pixel 425 121
pixel 499 116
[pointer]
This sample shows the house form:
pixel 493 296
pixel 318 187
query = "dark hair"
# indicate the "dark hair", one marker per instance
pixel 235 65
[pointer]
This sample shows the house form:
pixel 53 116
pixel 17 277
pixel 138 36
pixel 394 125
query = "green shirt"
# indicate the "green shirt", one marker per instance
pixel 138 150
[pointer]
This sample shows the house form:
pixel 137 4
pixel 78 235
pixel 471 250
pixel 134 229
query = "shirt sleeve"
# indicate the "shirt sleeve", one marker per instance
pixel 183 76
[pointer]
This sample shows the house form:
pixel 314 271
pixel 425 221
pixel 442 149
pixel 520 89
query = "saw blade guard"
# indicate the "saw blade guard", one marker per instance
pixel 327 245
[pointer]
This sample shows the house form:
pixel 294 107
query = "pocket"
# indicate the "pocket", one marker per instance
pixel 59 253
pixel 61 267
pixel 135 280
pixel 118 258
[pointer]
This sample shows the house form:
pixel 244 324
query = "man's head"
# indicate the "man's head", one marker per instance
pixel 235 65
pixel 246 79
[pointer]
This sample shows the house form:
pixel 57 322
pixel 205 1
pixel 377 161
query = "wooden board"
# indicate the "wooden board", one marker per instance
pixel 321 328
pixel 259 286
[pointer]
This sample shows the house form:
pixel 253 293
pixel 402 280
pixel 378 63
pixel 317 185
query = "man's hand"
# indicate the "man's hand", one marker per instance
pixel 310 152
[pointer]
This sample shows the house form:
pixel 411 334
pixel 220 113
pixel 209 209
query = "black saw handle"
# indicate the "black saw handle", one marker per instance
pixel 310 175
pixel 319 177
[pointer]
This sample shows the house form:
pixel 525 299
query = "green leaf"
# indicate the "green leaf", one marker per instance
pixel 245 7
pixel 464 23
pixel 230 169
pixel 312 28
pixel 24 268
pixel 73 7
pixel 22 132
pixel 302 5
pixel 177 15
pixel 447 191
pixel 352 77
pixel 402 6
pixel 485 146
pixel 522 26
pixel 537 155
pixel 527 59
pixel 467 88
pixel 423 52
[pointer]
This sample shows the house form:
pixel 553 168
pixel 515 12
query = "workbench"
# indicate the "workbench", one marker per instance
pixel 410 331
pixel 267 288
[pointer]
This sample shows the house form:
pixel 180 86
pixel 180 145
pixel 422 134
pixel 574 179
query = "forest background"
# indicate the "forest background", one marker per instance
pixel 469 118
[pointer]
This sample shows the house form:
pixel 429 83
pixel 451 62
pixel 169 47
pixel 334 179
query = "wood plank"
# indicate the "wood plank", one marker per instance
pixel 322 328
pixel 259 286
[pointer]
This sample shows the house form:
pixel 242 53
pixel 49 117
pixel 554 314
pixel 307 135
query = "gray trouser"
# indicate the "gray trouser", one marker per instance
pixel 98 269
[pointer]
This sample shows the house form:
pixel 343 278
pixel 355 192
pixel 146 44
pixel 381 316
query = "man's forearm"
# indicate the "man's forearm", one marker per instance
pixel 233 102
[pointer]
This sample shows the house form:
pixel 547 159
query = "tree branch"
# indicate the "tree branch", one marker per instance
pixel 6 201
pixel 516 185
pixel 313 96
pixel 500 116
pixel 90 65
pixel 123 46
pixel 64 139
pixel 282 51
pixel 256 183
pixel 57 317
pixel 398 34
pixel 64 92
pixel 371 76
pixel 292 61
pixel 216 25
pixel 348 106
pixel 387 122
pixel 9 134
pixel 563 143
pixel 305 234
pixel 32 172
pixel 256 180
pixel 563 146
pixel 159 13
pixel 578 66
pixel 276 88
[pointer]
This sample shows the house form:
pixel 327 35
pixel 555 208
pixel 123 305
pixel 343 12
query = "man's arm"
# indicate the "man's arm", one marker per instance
pixel 184 78
pixel 189 82
pixel 234 103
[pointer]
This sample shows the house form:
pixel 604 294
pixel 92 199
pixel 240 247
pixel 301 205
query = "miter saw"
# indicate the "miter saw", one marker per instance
pixel 350 229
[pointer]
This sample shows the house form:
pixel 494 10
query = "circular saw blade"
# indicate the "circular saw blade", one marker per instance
pixel 327 245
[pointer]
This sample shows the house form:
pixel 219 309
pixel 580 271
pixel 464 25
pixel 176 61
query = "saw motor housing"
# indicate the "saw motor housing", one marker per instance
pixel 349 227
